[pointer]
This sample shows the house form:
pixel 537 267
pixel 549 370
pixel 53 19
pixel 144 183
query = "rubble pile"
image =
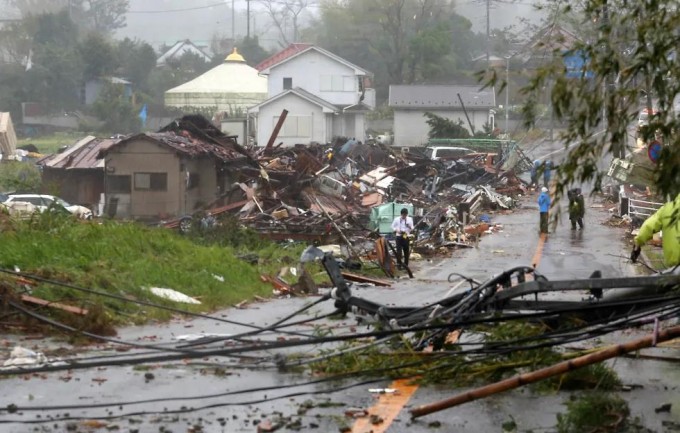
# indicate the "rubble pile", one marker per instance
pixel 325 193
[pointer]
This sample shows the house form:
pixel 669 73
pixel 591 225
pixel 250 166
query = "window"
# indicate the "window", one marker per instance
pixel 287 83
pixel 295 126
pixel 337 83
pixel 151 181
pixel 118 184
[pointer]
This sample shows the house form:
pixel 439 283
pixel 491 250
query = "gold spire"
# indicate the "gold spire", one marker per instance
pixel 234 57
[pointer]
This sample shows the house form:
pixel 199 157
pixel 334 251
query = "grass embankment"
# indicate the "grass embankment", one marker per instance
pixel 48 144
pixel 125 259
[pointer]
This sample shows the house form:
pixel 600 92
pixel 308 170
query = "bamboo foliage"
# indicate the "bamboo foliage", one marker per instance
pixel 545 373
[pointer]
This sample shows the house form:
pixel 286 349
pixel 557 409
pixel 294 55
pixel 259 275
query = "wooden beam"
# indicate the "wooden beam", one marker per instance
pixel 363 279
pixel 57 305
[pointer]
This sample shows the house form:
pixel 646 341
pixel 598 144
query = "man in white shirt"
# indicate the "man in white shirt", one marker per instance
pixel 402 227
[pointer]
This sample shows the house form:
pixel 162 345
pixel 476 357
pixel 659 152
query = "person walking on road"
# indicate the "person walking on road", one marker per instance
pixel 543 208
pixel 534 173
pixel 667 220
pixel 402 227
pixel 547 173
pixel 576 208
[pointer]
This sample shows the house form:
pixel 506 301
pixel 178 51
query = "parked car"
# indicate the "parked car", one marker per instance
pixel 42 202
pixel 20 209
pixel 446 153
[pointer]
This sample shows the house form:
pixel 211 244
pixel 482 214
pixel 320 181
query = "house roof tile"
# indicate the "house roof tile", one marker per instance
pixel 282 55
pixel 83 155
pixel 184 143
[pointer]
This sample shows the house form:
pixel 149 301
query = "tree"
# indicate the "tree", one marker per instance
pixel 400 41
pixel 136 60
pixel 286 17
pixel 441 127
pixel 248 47
pixel 106 15
pixel 252 51
pixel 54 75
pixel 623 71
pixel 99 56
pixel 37 7
pixel 19 176
pixel 117 111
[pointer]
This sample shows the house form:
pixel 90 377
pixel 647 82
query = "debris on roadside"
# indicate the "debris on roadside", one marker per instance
pixel 20 356
pixel 345 201
pixel 173 295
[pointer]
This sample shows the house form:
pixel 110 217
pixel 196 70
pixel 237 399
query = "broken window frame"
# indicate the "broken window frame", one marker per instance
pixel 151 181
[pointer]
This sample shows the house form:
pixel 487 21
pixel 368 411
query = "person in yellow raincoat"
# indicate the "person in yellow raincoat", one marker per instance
pixel 667 220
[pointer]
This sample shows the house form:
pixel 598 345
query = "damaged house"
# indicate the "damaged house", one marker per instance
pixel 77 173
pixel 326 96
pixel 183 167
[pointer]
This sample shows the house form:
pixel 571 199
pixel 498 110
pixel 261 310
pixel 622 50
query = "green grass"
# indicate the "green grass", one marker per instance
pixel 125 258
pixel 594 412
pixel 48 144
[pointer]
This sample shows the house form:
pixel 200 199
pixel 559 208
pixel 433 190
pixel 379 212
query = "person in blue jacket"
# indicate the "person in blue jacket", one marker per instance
pixel 543 208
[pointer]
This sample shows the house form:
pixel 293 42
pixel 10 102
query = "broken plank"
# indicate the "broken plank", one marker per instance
pixel 57 305
pixel 363 279
pixel 277 283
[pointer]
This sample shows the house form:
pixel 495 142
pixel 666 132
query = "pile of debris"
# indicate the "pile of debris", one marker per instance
pixel 328 193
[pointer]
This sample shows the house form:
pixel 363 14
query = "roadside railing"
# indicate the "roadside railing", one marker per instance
pixel 636 209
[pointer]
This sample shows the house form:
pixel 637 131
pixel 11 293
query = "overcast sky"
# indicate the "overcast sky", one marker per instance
pixel 167 21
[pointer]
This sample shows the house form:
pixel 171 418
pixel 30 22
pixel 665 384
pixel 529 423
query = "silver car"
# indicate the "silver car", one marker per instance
pixel 42 202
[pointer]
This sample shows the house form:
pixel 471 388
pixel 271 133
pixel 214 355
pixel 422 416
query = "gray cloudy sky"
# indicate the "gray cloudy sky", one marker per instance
pixel 167 21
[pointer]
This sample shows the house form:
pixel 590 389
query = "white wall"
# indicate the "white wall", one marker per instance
pixel 296 106
pixel 306 71
pixel 411 129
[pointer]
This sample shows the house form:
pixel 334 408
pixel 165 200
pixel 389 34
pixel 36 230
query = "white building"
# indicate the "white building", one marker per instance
pixel 231 87
pixel 180 48
pixel 411 102
pixel 325 96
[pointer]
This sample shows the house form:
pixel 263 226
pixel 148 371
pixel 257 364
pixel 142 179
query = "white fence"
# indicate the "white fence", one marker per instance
pixel 636 209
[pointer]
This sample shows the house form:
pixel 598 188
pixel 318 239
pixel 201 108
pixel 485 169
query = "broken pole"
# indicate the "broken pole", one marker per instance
pixel 547 372
pixel 472 127
pixel 277 128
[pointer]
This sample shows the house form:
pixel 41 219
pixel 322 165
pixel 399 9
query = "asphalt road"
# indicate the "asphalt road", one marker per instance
pixel 218 394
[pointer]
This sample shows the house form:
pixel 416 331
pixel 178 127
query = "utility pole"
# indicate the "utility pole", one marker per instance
pixel 507 92
pixel 248 18
pixel 233 21
pixel 488 30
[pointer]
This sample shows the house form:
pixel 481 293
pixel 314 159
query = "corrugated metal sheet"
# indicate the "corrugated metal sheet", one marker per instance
pixel 8 138
pixel 82 155
pixel 184 144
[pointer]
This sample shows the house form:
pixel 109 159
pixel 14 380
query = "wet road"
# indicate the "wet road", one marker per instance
pixel 217 394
